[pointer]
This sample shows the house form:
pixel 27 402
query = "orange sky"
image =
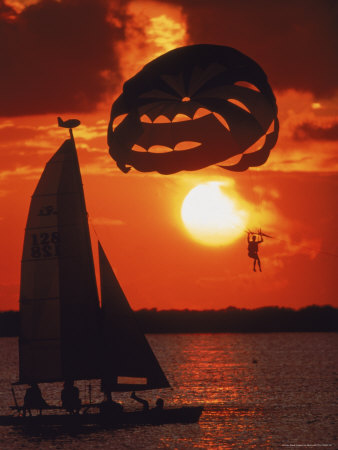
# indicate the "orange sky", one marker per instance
pixel 78 69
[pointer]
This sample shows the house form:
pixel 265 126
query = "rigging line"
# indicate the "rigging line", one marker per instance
pixel 92 226
pixel 258 200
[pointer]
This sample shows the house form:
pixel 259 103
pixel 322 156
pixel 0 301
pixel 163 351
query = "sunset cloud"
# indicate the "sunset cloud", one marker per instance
pixel 88 133
pixel 22 172
pixel 107 221
pixel 152 28
pixel 310 130
pixel 295 43
pixel 69 54
pixel 56 56
pixel 307 247
pixel 101 167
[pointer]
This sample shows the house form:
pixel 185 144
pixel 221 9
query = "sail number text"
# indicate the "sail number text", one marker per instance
pixel 47 210
pixel 45 245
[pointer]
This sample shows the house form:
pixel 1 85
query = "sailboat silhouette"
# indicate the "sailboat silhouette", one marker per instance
pixel 64 332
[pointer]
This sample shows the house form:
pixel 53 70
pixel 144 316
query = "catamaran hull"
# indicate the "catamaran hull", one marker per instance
pixel 186 414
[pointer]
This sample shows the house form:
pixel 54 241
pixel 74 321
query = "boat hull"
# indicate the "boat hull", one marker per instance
pixel 186 414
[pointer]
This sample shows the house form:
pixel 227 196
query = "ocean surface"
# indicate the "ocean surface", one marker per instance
pixel 265 391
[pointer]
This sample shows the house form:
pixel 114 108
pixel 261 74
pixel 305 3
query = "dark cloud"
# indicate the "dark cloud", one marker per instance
pixel 54 55
pixel 295 41
pixel 308 130
pixel 6 12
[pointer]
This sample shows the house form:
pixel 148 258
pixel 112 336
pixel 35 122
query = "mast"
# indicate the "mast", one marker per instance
pixel 128 360
pixel 59 307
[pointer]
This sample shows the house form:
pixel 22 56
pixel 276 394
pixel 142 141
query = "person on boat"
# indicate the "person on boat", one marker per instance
pixel 143 402
pixel 70 397
pixel 253 250
pixel 109 406
pixel 33 400
pixel 159 405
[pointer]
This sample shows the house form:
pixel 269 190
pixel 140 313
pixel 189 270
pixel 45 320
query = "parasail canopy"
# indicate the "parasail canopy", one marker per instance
pixel 193 107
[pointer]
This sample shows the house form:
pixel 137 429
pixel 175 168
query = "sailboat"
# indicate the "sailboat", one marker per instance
pixel 65 333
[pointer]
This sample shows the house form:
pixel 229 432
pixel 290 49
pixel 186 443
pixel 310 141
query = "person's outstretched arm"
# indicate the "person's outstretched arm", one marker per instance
pixel 140 400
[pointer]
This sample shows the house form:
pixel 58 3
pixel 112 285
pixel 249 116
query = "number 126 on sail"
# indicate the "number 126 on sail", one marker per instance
pixel 45 245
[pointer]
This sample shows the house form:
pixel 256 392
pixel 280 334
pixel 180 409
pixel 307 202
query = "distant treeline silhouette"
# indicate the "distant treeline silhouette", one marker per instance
pixel 235 320
pixel 229 320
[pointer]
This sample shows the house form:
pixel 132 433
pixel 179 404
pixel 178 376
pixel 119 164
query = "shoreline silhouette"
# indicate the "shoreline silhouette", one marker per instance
pixel 266 319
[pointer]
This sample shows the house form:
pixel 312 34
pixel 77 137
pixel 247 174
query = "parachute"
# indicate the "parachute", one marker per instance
pixel 193 107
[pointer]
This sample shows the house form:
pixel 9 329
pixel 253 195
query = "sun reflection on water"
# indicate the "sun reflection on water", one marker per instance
pixel 258 391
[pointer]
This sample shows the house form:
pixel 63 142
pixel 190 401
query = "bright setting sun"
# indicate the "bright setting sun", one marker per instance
pixel 211 217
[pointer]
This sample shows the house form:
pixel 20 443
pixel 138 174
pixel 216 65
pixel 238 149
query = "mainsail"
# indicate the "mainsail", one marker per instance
pixel 59 305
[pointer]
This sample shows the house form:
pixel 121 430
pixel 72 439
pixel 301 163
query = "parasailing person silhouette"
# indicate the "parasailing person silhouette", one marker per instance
pixel 253 246
pixel 70 124
pixel 255 238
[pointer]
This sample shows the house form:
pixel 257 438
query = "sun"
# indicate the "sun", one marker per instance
pixel 211 216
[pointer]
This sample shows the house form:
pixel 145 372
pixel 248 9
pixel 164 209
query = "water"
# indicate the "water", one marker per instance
pixel 259 391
